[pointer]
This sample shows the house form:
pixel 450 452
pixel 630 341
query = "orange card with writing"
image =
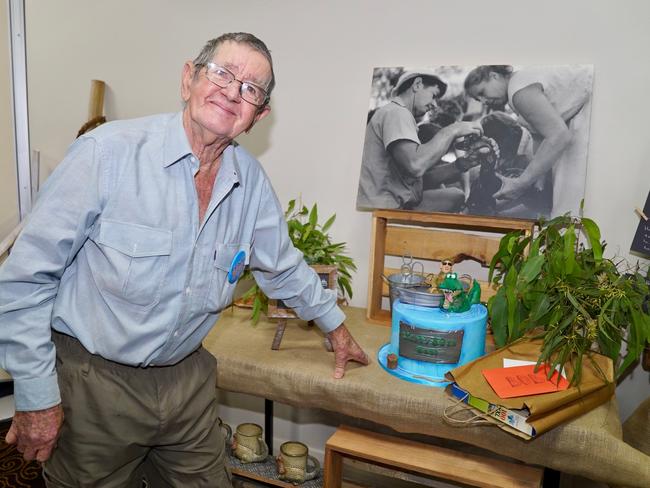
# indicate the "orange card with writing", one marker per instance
pixel 523 381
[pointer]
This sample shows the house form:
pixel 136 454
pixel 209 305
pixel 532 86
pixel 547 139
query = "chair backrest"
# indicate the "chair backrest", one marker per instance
pixel 431 237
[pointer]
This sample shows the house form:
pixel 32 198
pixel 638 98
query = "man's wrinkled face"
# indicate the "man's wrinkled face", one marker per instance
pixel 221 112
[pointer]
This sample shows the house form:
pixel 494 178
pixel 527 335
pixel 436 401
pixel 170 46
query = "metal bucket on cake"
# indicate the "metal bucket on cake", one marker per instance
pixel 422 296
pixel 419 295
pixel 404 281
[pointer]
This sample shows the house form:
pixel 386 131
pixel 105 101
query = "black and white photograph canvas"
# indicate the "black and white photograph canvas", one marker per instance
pixel 495 140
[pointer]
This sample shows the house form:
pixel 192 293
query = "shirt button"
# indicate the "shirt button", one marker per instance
pixel 188 290
pixel 175 334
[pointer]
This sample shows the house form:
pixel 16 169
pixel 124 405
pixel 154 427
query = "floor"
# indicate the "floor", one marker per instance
pixel 362 475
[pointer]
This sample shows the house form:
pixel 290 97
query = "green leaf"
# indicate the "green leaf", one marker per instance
pixel 540 307
pixel 329 223
pixel 250 292
pixel 577 305
pixel 534 247
pixel 608 347
pixel 499 317
pixel 344 285
pixel 257 309
pixel 531 269
pixel 510 243
pixel 313 216
pixel 307 231
pixel 292 205
pixel 593 234
pixel 510 281
pixel 569 250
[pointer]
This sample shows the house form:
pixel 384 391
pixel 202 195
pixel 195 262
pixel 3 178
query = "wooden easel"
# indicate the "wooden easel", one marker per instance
pixel 431 237
pixel 278 311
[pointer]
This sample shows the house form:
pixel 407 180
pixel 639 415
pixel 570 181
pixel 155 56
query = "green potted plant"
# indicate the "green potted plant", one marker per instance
pixel 312 239
pixel 558 286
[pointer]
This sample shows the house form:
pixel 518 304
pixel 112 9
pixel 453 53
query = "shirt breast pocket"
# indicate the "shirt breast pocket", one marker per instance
pixel 221 290
pixel 136 259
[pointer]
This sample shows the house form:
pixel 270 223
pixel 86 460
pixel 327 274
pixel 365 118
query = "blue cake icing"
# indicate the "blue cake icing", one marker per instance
pixel 429 342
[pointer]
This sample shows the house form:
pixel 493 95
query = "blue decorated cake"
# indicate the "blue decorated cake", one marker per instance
pixel 430 341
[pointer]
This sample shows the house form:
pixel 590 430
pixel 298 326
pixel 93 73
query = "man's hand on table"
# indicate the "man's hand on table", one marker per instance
pixel 35 433
pixel 345 349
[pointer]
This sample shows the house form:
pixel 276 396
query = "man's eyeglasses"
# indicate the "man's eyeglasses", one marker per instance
pixel 222 77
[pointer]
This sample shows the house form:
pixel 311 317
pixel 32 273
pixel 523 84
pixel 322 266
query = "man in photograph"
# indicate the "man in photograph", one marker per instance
pixel 395 161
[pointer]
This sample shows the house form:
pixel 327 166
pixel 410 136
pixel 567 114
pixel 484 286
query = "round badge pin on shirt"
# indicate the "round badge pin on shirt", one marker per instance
pixel 237 267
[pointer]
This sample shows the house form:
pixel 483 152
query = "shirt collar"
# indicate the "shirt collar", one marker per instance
pixel 229 165
pixel 398 101
pixel 176 145
pixel 232 150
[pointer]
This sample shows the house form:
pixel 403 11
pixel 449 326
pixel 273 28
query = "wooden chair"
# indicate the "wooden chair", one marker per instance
pixel 431 237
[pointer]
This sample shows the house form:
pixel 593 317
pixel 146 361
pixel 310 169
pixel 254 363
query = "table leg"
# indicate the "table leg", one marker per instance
pixel 268 424
pixel 551 478
pixel 332 469
pixel 279 332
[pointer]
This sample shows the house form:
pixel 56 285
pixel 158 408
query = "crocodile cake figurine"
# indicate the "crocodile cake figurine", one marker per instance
pixel 456 298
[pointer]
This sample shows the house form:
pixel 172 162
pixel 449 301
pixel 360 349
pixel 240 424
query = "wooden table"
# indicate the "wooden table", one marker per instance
pixel 300 374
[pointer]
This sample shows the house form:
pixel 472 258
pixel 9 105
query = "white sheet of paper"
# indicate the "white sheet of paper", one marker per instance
pixel 511 363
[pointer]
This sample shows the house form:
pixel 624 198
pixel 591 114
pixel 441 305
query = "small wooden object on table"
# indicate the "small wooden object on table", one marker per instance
pixel 406 455
pixel 431 237
pixel 278 310
pixel 95 107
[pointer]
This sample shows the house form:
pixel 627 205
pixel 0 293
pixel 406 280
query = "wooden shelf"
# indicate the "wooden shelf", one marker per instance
pixel 266 472
pixel 410 456
pixel 431 237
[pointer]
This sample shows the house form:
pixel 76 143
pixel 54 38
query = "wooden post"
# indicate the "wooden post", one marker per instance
pixel 333 471
pixel 377 252
pixel 96 104
pixel 279 332
pixel 95 107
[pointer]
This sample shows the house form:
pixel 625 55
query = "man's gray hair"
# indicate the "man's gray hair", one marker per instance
pixel 207 53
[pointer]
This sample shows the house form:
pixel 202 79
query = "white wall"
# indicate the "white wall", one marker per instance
pixel 324 54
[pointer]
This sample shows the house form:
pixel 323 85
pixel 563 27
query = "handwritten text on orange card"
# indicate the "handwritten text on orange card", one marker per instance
pixel 523 381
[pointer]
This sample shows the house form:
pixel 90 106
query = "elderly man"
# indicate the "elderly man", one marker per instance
pixel 133 249
pixel 394 160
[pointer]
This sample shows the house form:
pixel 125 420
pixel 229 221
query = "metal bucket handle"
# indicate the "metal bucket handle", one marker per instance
pixel 421 268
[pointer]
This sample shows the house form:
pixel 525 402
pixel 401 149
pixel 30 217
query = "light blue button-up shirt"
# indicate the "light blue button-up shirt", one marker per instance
pixel 114 254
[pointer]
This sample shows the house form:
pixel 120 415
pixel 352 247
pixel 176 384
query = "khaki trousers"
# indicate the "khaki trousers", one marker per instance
pixel 123 424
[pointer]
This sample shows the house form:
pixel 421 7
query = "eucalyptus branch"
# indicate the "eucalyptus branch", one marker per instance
pixel 582 302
